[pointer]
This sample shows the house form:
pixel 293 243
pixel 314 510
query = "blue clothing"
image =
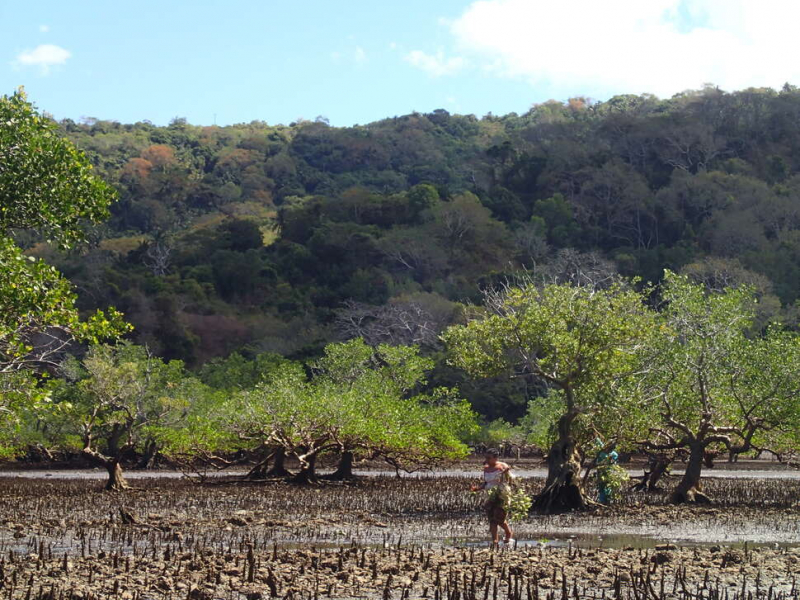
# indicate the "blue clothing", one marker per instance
pixel 605 459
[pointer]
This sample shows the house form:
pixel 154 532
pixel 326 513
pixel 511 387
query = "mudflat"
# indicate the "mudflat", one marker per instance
pixel 381 537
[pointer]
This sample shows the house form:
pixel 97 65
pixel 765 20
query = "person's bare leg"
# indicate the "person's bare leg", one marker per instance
pixel 495 534
pixel 507 529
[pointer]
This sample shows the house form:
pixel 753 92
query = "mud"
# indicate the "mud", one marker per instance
pixel 384 538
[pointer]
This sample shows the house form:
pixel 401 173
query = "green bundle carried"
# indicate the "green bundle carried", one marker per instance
pixel 518 504
pixel 515 501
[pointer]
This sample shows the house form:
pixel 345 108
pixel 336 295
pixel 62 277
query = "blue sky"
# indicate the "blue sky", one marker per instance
pixel 354 61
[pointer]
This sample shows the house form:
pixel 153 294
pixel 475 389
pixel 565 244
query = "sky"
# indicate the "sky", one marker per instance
pixel 356 61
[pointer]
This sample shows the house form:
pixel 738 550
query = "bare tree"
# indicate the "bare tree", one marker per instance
pixel 396 323
pixel 48 348
pixel 570 266
pixel 530 243
pixel 691 148
pixel 567 267
pixel 157 256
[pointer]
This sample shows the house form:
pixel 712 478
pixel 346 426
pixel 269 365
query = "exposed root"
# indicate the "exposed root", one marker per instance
pixel 560 496
pixel 691 496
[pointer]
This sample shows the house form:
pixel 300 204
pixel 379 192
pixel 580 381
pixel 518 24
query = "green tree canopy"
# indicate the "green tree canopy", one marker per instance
pixel 719 384
pixel 46 183
pixel 357 399
pixel 583 344
pixel 121 400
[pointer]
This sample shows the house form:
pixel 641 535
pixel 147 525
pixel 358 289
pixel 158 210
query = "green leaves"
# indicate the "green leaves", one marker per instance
pixel 568 336
pixel 582 343
pixel 35 300
pixel 716 380
pixel 612 478
pixel 124 397
pixel 45 182
pixel 691 369
pixel 359 399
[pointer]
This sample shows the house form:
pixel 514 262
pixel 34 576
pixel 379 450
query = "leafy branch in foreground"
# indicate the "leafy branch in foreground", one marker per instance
pixel 48 186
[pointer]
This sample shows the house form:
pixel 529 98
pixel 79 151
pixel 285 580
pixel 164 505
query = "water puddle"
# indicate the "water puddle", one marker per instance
pixel 621 541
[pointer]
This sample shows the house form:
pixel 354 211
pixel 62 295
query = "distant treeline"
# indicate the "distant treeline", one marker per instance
pixel 258 238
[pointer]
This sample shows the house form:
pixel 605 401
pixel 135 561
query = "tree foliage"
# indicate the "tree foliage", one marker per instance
pixel 585 345
pixel 247 251
pixel 47 186
pixel 46 183
pixel 356 399
pixel 120 399
pixel 272 228
pixel 718 384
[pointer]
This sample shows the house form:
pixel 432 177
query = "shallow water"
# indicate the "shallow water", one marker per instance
pixel 777 473
pixel 698 532
pixel 527 473
pixel 619 541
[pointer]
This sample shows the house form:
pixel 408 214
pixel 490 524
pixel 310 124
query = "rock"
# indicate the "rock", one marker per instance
pixel 660 558
pixel 733 557
pixel 164 584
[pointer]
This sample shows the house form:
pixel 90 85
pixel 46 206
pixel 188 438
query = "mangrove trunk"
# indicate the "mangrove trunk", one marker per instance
pixel 278 469
pixel 658 469
pixel 308 471
pixel 116 480
pixel 689 490
pixel 562 491
pixel 262 470
pixel 344 470
pixel 148 459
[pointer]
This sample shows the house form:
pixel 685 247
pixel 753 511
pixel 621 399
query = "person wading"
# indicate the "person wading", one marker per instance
pixel 496 479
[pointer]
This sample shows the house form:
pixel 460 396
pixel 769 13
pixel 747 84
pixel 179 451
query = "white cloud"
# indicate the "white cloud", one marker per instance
pixel 359 55
pixel 43 56
pixel 658 46
pixel 436 65
pixel 44 28
pixel 356 56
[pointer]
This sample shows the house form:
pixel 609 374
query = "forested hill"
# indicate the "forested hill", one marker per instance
pixel 278 238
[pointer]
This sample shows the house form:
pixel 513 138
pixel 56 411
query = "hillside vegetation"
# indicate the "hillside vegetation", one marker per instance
pixel 259 238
